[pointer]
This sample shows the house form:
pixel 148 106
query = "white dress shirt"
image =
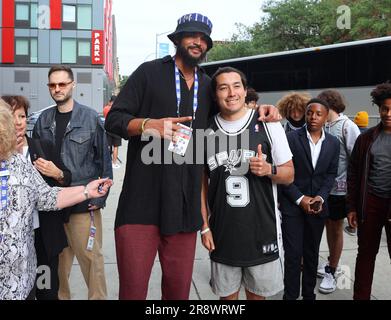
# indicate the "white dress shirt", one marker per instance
pixel 315 152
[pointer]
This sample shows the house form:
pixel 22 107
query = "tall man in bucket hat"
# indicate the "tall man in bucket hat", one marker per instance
pixel 159 207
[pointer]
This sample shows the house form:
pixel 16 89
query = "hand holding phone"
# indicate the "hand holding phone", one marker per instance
pixel 316 206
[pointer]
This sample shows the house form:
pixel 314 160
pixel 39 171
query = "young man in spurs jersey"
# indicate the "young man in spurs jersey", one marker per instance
pixel 245 160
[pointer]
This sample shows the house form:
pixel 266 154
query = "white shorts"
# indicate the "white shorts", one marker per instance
pixel 263 280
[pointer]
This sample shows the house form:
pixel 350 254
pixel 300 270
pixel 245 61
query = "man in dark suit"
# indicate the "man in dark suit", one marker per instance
pixel 302 203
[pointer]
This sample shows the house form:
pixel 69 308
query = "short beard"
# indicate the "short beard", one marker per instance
pixel 63 101
pixel 188 59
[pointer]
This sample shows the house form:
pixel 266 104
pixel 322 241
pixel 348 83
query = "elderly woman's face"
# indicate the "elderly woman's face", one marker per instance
pixel 20 121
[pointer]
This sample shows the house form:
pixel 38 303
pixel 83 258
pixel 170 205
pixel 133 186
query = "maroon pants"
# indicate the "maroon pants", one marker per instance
pixel 378 213
pixel 136 247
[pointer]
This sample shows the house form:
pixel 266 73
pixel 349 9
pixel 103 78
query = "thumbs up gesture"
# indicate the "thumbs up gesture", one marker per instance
pixel 258 164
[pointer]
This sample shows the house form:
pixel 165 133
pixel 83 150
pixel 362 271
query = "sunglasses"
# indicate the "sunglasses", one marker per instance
pixel 61 85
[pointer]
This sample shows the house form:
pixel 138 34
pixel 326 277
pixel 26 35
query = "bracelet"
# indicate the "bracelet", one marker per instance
pixel 143 124
pixel 85 192
pixel 61 176
pixel 204 231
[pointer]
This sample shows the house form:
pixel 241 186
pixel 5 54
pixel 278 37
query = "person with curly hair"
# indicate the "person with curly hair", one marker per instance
pixel 293 107
pixel 369 191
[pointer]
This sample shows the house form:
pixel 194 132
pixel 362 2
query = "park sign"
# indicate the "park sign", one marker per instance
pixel 97 47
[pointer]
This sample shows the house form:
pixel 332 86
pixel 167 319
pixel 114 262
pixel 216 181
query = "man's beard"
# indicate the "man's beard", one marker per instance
pixel 62 100
pixel 188 59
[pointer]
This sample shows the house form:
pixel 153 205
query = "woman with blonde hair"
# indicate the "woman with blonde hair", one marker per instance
pixel 23 190
pixel 292 107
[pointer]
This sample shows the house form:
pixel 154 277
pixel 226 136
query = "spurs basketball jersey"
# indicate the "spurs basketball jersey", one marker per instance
pixel 243 219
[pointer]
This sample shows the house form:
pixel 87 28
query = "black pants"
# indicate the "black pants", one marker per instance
pixel 50 293
pixel 369 232
pixel 301 235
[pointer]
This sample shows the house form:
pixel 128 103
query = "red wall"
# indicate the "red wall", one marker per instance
pixel 55 14
pixel 108 35
pixel 8 32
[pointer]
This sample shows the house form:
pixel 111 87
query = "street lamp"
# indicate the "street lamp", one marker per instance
pixel 156 41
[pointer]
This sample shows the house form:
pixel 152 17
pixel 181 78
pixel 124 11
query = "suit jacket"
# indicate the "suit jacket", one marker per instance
pixel 52 222
pixel 309 181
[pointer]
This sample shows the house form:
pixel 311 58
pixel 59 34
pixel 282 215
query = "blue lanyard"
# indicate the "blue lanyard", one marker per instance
pixel 178 92
pixel 4 185
pixel 3 195
pixel 92 218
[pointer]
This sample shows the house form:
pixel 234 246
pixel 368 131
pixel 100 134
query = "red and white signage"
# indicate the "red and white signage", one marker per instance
pixel 97 47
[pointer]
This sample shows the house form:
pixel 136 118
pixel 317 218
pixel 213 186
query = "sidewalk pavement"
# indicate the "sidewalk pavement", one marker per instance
pixel 200 289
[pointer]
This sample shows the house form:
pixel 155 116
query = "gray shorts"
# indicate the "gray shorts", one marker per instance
pixel 263 280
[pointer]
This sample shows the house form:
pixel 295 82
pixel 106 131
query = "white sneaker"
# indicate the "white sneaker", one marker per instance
pixel 116 165
pixel 328 284
pixel 322 270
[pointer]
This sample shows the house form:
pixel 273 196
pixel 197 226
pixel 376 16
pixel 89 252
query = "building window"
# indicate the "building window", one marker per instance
pixel 68 51
pixel 34 15
pixel 69 13
pixel 77 17
pixel 84 51
pixel 34 50
pixel 26 15
pixel 84 48
pixel 22 47
pixel 26 50
pixel 69 16
pixel 84 17
pixel 22 12
pixel 22 15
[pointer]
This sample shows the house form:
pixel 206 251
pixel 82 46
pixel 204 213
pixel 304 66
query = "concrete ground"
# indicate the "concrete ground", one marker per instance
pixel 200 289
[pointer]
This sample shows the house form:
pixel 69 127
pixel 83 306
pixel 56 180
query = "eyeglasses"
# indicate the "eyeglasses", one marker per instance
pixel 61 85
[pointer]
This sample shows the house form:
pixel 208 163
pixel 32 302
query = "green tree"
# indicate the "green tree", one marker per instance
pixel 122 81
pixel 371 18
pixel 239 45
pixel 295 24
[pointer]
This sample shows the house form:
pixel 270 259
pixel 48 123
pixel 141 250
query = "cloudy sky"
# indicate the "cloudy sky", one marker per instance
pixel 140 21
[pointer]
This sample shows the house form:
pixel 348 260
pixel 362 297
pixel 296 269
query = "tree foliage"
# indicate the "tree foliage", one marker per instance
pixel 295 24
pixel 122 81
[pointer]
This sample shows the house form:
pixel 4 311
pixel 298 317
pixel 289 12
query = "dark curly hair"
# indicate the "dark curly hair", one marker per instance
pixel 252 95
pixel 334 99
pixel 293 101
pixel 380 93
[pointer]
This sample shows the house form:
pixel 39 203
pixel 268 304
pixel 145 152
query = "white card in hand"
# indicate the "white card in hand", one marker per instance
pixel 180 140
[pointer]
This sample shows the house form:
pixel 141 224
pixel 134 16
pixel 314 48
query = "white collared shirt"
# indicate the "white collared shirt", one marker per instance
pixel 315 148
pixel 315 152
